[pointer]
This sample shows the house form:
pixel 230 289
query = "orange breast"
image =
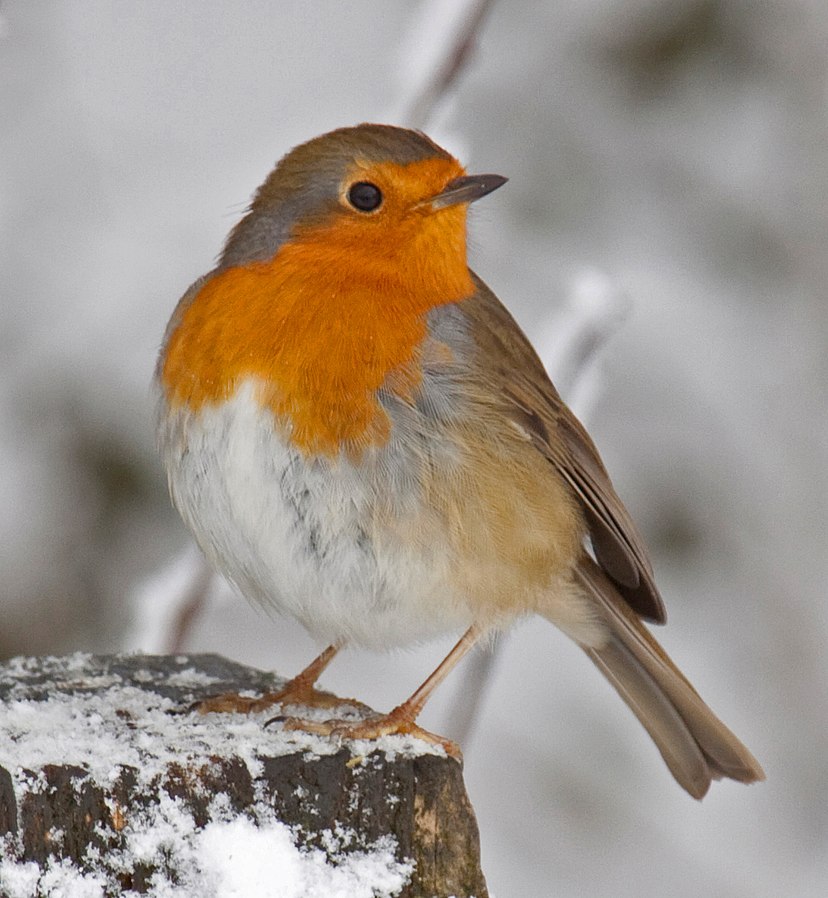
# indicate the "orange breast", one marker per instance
pixel 331 318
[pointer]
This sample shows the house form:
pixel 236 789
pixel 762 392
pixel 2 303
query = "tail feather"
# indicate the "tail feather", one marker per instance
pixel 695 744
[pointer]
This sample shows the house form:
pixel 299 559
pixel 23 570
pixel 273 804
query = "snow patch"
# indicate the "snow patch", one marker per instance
pixel 227 858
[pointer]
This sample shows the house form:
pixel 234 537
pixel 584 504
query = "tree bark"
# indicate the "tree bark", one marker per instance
pixel 100 757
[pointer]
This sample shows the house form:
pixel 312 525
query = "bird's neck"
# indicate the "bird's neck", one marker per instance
pixel 319 333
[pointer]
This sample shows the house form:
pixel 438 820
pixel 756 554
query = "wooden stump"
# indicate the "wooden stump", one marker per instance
pixel 109 784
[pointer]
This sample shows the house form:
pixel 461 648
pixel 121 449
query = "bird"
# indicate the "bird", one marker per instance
pixel 359 435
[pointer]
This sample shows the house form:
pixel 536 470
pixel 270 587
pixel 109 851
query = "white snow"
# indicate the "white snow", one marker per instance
pixel 228 857
pixel 243 859
pixel 80 729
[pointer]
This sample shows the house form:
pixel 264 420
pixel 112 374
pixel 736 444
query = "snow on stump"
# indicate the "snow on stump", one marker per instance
pixel 110 786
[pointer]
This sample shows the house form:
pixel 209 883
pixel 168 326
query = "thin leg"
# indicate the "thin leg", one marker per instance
pixel 298 691
pixel 410 709
pixel 306 678
pixel 400 721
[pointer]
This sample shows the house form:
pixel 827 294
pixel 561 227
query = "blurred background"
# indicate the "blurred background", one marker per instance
pixel 667 158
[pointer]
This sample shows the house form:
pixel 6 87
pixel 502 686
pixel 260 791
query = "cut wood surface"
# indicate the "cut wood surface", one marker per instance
pixel 110 785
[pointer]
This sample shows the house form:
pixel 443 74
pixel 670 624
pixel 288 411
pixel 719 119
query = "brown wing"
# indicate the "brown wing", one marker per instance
pixel 534 403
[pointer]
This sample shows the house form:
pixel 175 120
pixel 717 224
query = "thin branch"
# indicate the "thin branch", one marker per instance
pixel 440 46
pixel 166 606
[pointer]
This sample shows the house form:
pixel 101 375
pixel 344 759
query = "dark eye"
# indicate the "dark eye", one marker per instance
pixel 365 196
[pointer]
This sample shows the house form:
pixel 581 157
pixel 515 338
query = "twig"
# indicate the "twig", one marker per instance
pixel 166 605
pixel 439 48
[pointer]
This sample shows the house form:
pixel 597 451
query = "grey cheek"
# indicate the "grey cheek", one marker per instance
pixel 269 224
pixel 256 238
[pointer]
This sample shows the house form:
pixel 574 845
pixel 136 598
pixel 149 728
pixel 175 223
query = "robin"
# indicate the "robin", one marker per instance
pixel 359 435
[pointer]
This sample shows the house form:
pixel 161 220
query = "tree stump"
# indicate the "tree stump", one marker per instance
pixel 110 785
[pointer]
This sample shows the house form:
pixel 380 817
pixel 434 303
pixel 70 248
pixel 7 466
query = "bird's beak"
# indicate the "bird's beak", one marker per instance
pixel 465 190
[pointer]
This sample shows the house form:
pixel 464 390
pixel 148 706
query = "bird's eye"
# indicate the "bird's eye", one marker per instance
pixel 365 196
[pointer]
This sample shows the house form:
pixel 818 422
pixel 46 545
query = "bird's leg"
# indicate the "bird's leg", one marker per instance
pixel 298 691
pixel 400 721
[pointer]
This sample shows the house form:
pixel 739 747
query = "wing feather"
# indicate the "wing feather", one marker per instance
pixel 532 401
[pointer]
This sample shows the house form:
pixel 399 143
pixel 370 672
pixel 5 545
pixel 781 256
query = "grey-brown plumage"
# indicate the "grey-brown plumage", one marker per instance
pixel 618 584
pixel 694 743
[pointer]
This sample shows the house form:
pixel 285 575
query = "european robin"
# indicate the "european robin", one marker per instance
pixel 358 434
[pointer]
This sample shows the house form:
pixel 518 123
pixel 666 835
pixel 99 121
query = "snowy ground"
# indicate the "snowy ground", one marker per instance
pixel 678 148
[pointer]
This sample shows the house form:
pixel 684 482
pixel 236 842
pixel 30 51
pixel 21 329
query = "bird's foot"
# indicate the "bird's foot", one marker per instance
pixel 292 695
pixel 371 728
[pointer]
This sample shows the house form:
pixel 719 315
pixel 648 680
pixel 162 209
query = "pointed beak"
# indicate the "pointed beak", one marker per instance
pixel 466 190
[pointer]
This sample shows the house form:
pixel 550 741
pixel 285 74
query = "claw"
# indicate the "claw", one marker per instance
pixel 230 703
pixel 301 696
pixel 372 728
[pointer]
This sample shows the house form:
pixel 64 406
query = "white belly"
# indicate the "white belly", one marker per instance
pixel 351 553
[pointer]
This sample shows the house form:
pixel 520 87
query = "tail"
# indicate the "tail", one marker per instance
pixel 696 745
